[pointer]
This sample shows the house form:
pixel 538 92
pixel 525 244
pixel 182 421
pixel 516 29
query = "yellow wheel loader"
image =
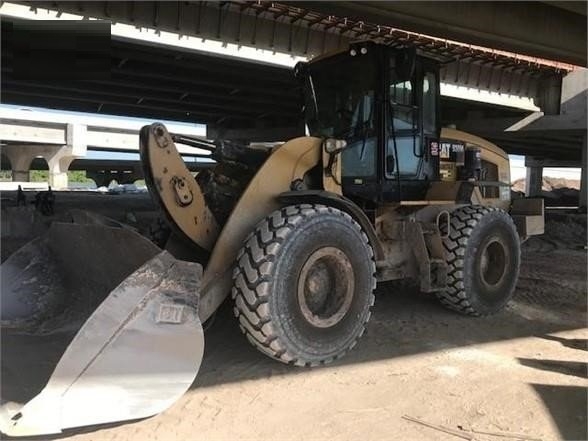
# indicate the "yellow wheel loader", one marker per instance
pixel 297 236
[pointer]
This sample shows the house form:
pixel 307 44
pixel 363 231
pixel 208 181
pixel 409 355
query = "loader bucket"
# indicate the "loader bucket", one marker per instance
pixel 140 343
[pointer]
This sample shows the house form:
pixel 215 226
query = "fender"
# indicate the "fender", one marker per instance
pixel 341 203
pixel 288 163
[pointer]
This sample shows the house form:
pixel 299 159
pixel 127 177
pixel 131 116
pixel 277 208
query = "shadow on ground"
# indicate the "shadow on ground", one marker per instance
pixel 572 368
pixel 404 323
pixel 567 407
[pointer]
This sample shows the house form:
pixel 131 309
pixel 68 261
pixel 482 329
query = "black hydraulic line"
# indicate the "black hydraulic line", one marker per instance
pixel 194 142
pixel 225 150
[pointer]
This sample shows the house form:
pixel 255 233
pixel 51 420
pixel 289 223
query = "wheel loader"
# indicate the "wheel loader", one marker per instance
pixel 297 235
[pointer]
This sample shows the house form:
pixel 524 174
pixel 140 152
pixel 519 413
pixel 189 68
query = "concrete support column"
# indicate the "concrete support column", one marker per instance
pixel 59 164
pixel 21 176
pixel 550 95
pixel 534 181
pixel 59 158
pixel 584 180
pixel 21 157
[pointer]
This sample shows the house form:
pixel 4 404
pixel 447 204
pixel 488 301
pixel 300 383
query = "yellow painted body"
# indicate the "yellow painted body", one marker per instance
pixel 490 152
pixel 444 192
pixel 287 164
pixel 193 217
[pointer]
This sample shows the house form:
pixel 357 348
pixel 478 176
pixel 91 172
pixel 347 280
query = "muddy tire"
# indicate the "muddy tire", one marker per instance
pixel 483 256
pixel 303 284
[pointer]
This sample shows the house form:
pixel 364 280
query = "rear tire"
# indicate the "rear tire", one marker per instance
pixel 303 284
pixel 483 256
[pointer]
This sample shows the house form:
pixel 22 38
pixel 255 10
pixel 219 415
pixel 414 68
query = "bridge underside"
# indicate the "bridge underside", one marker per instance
pixel 308 30
pixel 518 27
pixel 235 97
pixel 255 101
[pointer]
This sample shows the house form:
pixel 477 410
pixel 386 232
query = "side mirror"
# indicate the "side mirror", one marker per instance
pixel 390 164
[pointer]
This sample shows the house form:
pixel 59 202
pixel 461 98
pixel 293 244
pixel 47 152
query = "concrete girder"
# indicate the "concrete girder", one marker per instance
pixel 533 161
pixel 312 29
pixel 506 80
pixel 36 127
pixel 519 27
pixel 553 137
pixel 533 125
pixel 510 26
pixel 232 23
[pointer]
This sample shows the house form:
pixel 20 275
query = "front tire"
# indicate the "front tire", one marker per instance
pixel 483 254
pixel 303 284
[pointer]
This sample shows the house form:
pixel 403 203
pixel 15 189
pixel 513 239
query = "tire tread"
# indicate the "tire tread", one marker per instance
pixel 462 224
pixel 252 276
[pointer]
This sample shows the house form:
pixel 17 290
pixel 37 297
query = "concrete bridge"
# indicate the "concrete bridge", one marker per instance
pixel 61 138
pixel 103 171
pixel 499 47
pixel 178 81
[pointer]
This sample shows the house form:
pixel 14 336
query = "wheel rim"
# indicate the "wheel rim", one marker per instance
pixel 325 287
pixel 493 262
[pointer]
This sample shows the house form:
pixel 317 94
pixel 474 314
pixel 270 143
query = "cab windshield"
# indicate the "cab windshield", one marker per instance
pixel 340 103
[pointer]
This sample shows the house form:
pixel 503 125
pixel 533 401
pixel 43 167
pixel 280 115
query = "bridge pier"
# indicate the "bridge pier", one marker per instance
pixel 534 181
pixel 20 157
pixel 58 158
pixel 59 161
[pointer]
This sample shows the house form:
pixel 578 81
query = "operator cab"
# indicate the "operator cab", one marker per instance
pixel 384 103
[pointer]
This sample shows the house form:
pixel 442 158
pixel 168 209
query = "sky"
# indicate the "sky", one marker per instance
pixel 517 162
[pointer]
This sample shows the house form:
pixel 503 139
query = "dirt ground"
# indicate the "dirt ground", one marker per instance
pixel 522 371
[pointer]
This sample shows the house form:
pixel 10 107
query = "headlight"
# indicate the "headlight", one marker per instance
pixel 332 144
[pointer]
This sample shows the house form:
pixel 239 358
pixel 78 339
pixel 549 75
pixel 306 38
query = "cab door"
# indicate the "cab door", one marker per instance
pixel 402 125
pixel 411 124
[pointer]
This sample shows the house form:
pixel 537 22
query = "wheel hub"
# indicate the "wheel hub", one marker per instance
pixel 325 287
pixel 493 262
